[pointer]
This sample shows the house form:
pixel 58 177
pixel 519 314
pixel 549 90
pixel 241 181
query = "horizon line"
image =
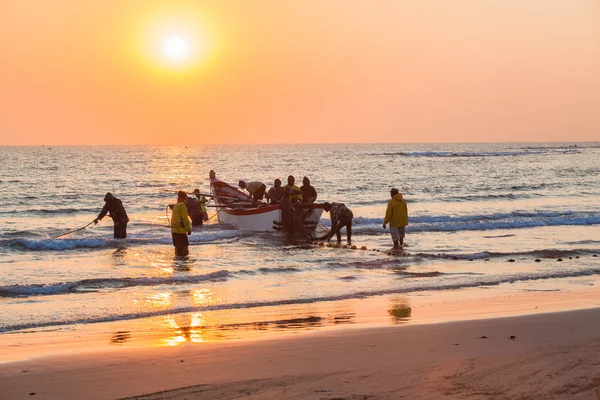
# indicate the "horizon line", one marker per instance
pixel 286 144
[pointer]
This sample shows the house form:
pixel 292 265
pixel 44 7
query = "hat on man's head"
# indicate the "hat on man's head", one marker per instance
pixel 181 194
pixel 109 196
pixel 196 191
pixel 242 183
pixel 394 191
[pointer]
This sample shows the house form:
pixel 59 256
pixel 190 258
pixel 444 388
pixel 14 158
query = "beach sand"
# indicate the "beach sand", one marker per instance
pixel 552 355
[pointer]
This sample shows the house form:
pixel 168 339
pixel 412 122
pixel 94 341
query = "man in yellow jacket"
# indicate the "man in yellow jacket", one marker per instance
pixel 180 225
pixel 397 216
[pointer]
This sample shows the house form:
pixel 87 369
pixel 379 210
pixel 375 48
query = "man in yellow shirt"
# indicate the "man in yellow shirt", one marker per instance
pixel 296 193
pixel 180 225
pixel 397 216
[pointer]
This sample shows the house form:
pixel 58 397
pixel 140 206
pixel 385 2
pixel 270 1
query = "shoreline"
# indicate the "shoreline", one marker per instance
pixel 551 355
pixel 304 357
pixel 272 322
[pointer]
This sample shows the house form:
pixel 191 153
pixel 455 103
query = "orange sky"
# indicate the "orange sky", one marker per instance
pixel 281 71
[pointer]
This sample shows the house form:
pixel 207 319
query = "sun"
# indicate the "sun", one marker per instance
pixel 174 43
pixel 175 47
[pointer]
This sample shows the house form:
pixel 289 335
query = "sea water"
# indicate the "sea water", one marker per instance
pixel 472 208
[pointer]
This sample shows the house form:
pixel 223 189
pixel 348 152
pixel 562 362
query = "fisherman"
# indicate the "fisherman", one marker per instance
pixel 117 212
pixel 202 201
pixel 397 216
pixel 256 189
pixel 309 194
pixel 340 216
pixel 276 192
pixel 180 225
pixel 296 193
pixel 287 211
pixel 194 211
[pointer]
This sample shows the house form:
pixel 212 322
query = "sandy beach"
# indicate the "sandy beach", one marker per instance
pixel 552 355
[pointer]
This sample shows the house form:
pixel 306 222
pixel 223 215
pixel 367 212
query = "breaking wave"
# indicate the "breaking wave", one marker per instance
pixel 88 285
pixel 59 244
pixel 142 238
pixel 514 220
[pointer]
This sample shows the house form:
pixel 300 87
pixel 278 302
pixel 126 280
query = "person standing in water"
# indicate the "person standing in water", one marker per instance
pixel 180 225
pixel 194 211
pixel 115 208
pixel 397 216
pixel 202 201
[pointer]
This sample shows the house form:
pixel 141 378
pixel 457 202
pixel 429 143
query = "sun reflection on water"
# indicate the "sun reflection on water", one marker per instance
pixel 192 332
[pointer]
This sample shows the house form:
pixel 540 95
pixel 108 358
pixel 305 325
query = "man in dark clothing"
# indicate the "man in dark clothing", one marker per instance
pixel 340 216
pixel 194 211
pixel 309 194
pixel 117 212
pixel 287 212
pixel 275 193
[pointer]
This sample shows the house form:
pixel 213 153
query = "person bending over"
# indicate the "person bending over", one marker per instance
pixel 341 216
pixel 256 189
pixel 115 208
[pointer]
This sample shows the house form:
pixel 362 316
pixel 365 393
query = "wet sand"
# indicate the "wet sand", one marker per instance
pixel 543 356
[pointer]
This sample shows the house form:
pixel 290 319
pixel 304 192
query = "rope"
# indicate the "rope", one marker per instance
pixel 217 213
pixel 73 231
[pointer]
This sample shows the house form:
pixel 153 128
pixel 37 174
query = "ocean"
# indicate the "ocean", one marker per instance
pixel 472 209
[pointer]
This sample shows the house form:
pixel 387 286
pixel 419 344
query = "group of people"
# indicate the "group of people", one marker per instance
pixel 191 211
pixel 295 202
pixel 306 194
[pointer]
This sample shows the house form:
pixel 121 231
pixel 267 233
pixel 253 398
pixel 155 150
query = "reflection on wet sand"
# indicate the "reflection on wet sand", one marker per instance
pixel 195 328
pixel 120 337
pixel 400 311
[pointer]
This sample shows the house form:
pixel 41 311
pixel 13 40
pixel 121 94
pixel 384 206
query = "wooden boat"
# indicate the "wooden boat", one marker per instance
pixel 238 208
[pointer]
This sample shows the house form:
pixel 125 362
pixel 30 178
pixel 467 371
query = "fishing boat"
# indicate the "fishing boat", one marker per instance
pixel 240 209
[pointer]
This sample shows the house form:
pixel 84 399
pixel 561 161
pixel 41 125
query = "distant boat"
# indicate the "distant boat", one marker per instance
pixel 238 208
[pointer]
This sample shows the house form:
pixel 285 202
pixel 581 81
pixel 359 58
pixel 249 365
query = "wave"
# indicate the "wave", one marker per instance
pixel 52 211
pixel 416 285
pixel 482 222
pixel 198 237
pixel 542 254
pixel 455 154
pixel 58 244
pixel 87 285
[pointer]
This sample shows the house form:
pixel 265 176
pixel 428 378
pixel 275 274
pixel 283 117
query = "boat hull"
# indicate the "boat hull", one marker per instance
pixel 261 219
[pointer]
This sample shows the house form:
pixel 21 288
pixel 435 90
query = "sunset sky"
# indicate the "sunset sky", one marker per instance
pixel 116 72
